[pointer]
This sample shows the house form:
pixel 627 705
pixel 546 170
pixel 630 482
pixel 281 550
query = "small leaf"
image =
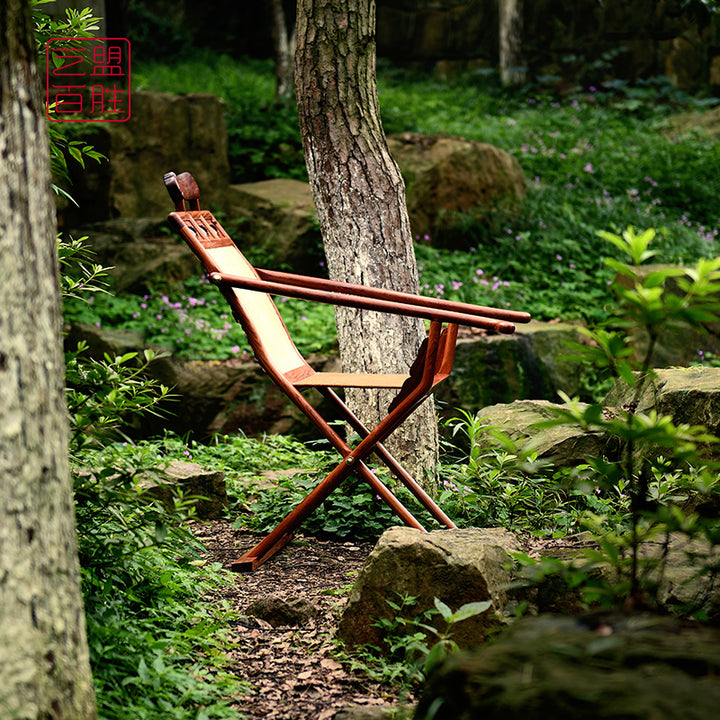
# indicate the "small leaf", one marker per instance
pixel 469 610
pixel 161 531
pixel 443 609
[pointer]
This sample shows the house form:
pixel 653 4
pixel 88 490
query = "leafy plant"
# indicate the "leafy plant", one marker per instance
pixel 656 507
pixel 106 395
pixel 353 510
pixel 489 480
pixel 413 646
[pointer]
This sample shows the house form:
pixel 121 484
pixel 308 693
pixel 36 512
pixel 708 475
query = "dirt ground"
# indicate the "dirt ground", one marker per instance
pixel 292 668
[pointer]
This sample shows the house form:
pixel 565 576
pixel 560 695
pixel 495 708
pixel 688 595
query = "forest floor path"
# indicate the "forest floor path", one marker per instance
pixel 293 670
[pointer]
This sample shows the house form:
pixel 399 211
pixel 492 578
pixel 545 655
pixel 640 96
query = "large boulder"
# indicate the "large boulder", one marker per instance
pixel 165 132
pixel 491 369
pixel 449 175
pixel 687 395
pixel 629 668
pixel 564 445
pixel 277 218
pixel 455 566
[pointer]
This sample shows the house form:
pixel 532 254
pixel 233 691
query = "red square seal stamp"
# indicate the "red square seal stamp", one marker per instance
pixel 88 79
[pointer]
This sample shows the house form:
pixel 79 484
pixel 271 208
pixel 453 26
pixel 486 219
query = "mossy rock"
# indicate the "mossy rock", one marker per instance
pixel 594 668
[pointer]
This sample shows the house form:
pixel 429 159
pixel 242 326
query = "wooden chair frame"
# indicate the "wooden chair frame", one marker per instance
pixel 248 290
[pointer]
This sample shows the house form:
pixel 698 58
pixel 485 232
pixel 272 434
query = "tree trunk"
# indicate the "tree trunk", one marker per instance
pixel 512 65
pixel 44 664
pixel 360 199
pixel 284 45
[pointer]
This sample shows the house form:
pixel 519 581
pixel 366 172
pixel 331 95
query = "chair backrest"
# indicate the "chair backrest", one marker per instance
pixel 255 311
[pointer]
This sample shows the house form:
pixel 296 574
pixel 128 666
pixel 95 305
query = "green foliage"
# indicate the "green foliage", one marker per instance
pixel 79 274
pixel 352 511
pixel 263 135
pixel 192 320
pixel 490 480
pixel 103 396
pixel 413 646
pixel 77 23
pixel 660 490
pixel 155 644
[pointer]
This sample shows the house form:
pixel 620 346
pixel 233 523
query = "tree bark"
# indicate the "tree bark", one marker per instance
pixel 44 663
pixel 284 45
pixel 512 64
pixel 362 210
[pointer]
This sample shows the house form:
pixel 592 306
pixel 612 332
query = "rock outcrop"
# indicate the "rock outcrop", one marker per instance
pixel 494 369
pixel 277 219
pixel 687 395
pixel 456 566
pixel 563 445
pixel 165 132
pixel 221 397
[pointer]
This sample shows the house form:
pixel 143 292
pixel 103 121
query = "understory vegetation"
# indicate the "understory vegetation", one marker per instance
pixel 603 165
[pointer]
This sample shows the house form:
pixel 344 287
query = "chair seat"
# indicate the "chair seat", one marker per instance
pixel 349 380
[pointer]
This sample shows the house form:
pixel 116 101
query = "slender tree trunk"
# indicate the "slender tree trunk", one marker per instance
pixel 44 664
pixel 360 199
pixel 284 43
pixel 512 70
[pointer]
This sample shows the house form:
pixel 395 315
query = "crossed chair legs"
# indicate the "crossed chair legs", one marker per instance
pixel 353 460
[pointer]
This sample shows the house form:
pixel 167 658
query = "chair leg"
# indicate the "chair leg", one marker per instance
pixel 353 459
pixel 281 535
pixel 395 467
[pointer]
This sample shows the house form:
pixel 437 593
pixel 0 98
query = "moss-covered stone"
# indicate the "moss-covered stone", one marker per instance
pixel 445 176
pixel 687 395
pixel 278 219
pixel 565 445
pixel 495 369
pixel 629 668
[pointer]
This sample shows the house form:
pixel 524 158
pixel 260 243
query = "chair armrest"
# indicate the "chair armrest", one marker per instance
pixel 393 295
pixel 345 297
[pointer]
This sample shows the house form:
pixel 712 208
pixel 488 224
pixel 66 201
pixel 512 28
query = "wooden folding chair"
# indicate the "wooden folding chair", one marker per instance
pixel 248 291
